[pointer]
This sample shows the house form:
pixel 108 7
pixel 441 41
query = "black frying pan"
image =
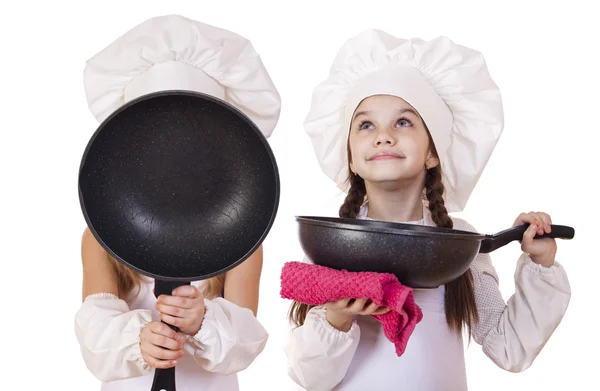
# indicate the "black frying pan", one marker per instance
pixel 179 186
pixel 420 256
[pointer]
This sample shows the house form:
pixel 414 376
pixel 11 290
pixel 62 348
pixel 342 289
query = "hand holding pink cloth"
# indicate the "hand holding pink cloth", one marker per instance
pixel 316 285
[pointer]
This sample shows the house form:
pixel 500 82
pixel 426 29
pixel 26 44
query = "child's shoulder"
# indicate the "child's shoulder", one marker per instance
pixel 462 224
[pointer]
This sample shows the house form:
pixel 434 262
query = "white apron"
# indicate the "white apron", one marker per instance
pixel 431 347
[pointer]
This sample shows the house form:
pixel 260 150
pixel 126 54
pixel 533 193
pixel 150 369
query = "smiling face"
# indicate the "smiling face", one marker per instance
pixel 388 141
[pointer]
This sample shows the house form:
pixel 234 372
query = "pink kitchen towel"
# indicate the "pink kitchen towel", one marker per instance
pixel 316 285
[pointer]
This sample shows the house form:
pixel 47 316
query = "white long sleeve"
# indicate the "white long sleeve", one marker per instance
pixel 318 354
pixel 229 339
pixel 513 333
pixel 109 337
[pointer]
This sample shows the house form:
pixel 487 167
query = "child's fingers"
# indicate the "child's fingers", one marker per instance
pixel 163 329
pixel 528 235
pixel 175 301
pixel 546 220
pixel 165 342
pixel 369 308
pixel 537 220
pixel 188 291
pixel 338 304
pixel 525 218
pixel 161 364
pixel 171 310
pixel 163 354
pixel 381 311
pixel 159 348
pixel 541 220
pixel 357 306
pixel 172 320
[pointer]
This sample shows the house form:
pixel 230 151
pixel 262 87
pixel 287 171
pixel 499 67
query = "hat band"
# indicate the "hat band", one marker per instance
pixel 172 75
pixel 408 83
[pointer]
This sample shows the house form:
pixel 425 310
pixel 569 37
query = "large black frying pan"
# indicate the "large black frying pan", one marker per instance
pixel 421 257
pixel 179 186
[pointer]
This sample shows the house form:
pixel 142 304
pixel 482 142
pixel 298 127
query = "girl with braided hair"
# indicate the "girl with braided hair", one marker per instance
pixel 406 128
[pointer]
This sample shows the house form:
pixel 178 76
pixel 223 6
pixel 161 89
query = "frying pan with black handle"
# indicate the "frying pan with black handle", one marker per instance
pixel 421 257
pixel 178 186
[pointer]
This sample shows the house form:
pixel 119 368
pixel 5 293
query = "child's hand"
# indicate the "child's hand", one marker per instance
pixel 362 306
pixel 339 313
pixel 541 251
pixel 184 310
pixel 161 346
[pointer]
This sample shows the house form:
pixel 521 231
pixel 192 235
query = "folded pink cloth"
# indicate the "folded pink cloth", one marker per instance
pixel 316 285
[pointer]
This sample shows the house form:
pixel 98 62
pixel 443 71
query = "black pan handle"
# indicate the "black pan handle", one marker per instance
pixel 502 238
pixel 164 379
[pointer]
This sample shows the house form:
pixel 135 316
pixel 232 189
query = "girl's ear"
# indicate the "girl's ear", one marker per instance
pixel 350 164
pixel 431 161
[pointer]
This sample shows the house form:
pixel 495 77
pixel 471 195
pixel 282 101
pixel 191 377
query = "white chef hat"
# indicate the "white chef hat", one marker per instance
pixel 448 84
pixel 176 53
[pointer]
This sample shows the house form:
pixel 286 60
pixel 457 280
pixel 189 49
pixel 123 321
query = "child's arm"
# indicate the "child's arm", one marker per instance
pixel 231 337
pixel 109 337
pixel 319 354
pixel 513 333
pixel 108 333
pixel 229 340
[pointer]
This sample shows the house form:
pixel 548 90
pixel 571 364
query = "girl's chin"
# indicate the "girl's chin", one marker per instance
pixel 389 180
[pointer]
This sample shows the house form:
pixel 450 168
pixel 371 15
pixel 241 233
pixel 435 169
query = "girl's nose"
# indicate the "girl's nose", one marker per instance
pixel 384 137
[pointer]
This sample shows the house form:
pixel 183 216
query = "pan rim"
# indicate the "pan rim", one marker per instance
pixel 387 227
pixel 259 134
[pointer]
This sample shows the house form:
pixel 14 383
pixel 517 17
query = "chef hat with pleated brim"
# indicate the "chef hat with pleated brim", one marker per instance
pixel 176 53
pixel 448 84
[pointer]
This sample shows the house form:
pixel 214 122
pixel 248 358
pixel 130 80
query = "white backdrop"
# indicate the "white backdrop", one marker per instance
pixel 543 56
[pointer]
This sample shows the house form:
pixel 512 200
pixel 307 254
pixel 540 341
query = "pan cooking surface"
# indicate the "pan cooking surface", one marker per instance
pixel 179 186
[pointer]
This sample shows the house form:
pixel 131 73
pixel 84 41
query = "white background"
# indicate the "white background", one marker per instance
pixel 543 55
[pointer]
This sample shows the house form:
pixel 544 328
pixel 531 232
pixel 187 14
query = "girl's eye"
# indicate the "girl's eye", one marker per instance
pixel 365 125
pixel 404 122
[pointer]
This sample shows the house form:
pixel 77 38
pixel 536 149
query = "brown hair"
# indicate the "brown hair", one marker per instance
pixel 459 299
pixel 128 280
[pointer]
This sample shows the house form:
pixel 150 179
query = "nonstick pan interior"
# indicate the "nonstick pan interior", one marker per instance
pixel 179 186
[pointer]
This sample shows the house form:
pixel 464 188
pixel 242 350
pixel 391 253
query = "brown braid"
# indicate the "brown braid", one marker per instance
pixel 355 198
pixel 461 309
